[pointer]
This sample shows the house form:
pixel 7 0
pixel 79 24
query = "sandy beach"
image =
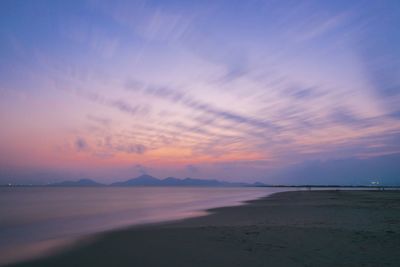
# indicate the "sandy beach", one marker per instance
pixel 302 228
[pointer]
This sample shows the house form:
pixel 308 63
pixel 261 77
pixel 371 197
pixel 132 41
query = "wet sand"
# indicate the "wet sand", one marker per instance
pixel 302 228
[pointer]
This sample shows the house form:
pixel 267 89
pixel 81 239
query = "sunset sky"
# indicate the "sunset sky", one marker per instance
pixel 272 91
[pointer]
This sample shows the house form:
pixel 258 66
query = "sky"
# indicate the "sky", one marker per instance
pixel 282 92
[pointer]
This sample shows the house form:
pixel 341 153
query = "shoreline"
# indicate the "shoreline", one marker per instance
pixel 292 228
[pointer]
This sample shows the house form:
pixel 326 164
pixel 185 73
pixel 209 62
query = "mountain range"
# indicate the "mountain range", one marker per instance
pixel 147 180
pixel 81 182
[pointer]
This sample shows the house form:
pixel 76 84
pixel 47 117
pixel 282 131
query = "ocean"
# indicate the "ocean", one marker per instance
pixel 38 220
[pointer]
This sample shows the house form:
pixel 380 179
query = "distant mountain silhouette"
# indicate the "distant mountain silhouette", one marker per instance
pixel 147 180
pixel 143 180
pixel 259 184
pixel 81 182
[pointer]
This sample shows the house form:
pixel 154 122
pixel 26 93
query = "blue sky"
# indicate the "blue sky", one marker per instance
pixel 234 90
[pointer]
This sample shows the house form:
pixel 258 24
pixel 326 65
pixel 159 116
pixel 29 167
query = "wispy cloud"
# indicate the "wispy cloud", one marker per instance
pixel 184 99
pixel 190 88
pixel 119 104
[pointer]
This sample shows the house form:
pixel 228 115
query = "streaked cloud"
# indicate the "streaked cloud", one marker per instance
pixel 221 89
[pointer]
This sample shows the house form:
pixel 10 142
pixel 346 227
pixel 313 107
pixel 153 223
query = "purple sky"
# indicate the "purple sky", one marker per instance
pixel 272 91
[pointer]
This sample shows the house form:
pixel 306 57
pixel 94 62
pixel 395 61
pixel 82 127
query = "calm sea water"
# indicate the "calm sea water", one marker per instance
pixel 34 221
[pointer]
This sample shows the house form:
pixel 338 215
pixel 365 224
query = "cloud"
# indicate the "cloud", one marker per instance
pixel 177 97
pixel 130 148
pixel 233 59
pixel 141 169
pixel 99 120
pixel 119 104
pixel 296 130
pixel 107 145
pixel 316 26
pixel 342 115
pixel 301 93
pixel 92 37
pixel 81 144
pixel 152 22
pixel 128 108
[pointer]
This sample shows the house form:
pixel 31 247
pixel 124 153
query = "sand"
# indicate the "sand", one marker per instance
pixel 302 228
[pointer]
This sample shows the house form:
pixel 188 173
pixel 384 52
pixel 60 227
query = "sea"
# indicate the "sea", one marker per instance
pixel 35 221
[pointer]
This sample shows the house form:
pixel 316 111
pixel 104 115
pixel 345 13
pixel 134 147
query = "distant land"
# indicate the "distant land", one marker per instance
pixel 81 182
pixel 148 180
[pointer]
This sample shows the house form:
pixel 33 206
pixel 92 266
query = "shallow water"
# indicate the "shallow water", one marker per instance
pixel 35 219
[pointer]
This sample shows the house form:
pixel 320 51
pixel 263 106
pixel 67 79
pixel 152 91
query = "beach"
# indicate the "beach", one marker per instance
pixel 299 228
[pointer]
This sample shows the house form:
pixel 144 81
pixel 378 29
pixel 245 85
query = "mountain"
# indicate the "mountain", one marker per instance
pixel 143 180
pixel 147 180
pixel 259 184
pixel 201 182
pixel 171 181
pixel 81 182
